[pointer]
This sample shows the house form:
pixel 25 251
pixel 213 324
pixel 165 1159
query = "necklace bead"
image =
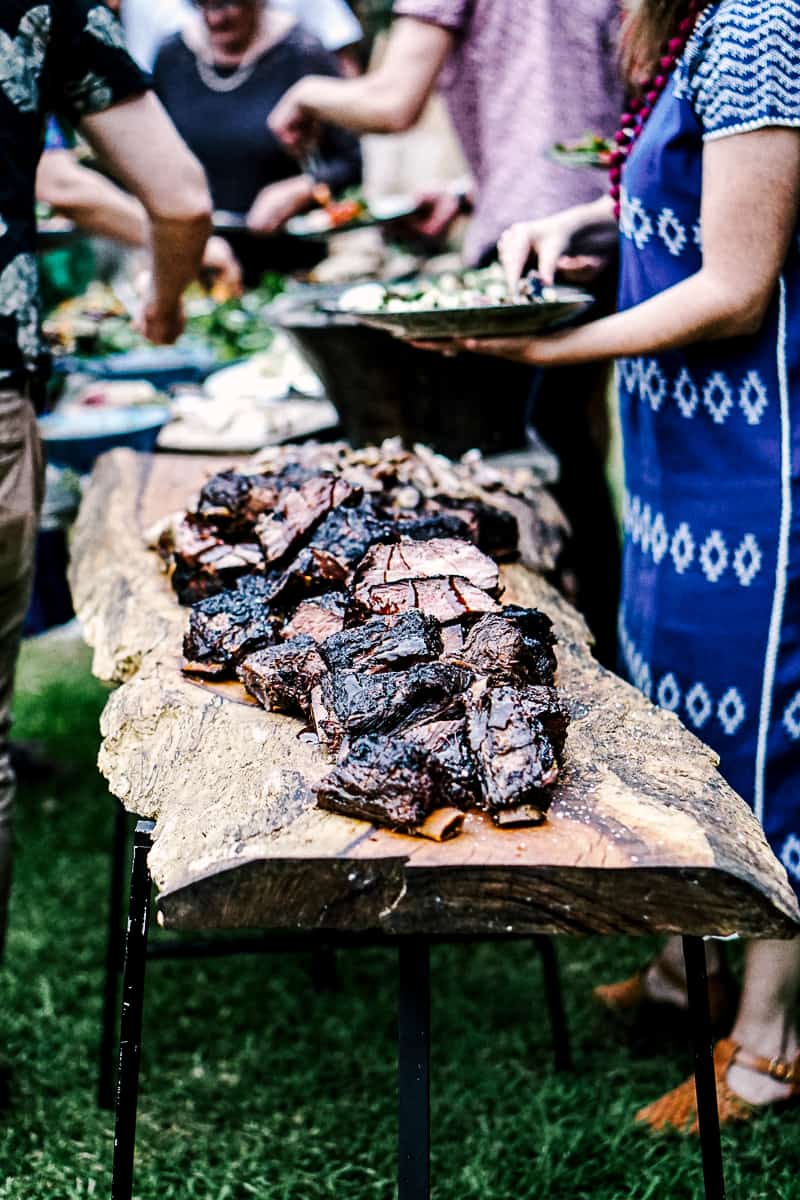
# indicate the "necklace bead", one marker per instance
pixel 640 107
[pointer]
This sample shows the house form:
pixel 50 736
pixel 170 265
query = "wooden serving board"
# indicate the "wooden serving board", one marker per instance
pixel 643 833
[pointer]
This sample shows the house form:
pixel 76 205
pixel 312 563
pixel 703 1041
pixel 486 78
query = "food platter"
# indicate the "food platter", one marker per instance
pixel 590 151
pixel 490 316
pixel 321 222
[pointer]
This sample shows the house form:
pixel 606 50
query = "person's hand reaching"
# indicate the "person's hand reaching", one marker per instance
pixel 222 265
pixel 293 123
pixel 276 203
pixel 161 322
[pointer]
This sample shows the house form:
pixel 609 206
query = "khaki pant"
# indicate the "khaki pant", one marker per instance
pixel 21 491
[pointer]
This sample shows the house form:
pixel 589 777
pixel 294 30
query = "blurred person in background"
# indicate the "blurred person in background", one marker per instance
pixel 148 23
pixel 517 78
pixel 219 79
pixel 69 55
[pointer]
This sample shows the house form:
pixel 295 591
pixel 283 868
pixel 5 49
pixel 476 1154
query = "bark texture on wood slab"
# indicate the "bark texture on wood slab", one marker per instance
pixel 643 833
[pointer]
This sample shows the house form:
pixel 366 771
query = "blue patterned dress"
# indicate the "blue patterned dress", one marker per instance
pixel 710 618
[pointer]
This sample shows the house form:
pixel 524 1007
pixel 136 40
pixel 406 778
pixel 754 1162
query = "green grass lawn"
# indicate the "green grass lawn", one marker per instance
pixel 253 1085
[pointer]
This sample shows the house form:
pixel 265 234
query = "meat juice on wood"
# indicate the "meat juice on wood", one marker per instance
pixel 370 608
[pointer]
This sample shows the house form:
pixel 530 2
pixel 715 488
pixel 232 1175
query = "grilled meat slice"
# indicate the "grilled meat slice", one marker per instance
pixel 312 571
pixel 384 643
pixel 281 677
pixel 232 502
pixel 202 572
pixel 428 560
pixel 498 649
pixel 299 511
pixel 553 714
pixel 387 781
pixel 447 741
pixel 318 617
pixel 452 640
pixel 225 628
pixel 425 526
pixel 350 703
pixel 516 757
pixel 447 599
pixel 348 533
pixel 492 529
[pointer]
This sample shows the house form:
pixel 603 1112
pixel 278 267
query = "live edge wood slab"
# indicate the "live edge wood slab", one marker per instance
pixel 643 833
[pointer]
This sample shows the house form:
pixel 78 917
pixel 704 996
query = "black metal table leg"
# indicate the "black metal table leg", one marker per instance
pixel 324 971
pixel 114 959
pixel 705 1079
pixel 554 996
pixel 414 1132
pixel 130 1043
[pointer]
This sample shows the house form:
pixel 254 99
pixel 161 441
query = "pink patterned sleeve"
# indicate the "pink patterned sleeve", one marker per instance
pixel 451 14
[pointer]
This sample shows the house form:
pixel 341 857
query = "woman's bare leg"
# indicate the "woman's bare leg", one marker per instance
pixel 767 1020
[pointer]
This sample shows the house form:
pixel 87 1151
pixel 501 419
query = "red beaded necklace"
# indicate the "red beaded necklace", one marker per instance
pixel 633 121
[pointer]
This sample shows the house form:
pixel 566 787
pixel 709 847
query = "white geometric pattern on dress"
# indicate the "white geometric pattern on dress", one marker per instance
pixel 697 235
pixel 720 406
pixel 686 394
pixel 3 228
pixel 636 520
pixel 731 710
pixel 653 384
pixel 753 398
pixel 669 694
pixel 714 556
pixel 659 538
pixel 638 670
pixel 682 548
pixel 698 705
pixel 747 560
pixel 639 224
pixel 790 855
pixel 647 517
pixel 791 718
pixel 672 232
pixel 631 370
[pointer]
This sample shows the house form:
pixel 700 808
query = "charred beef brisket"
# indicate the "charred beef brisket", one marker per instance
pixel 517 759
pixel 388 781
pixel 348 533
pixel 319 617
pixel 437 558
pixel 299 511
pixel 281 677
pixel 498 649
pixel 384 644
pixel 448 743
pixel 225 628
pixel 347 704
pixel 447 600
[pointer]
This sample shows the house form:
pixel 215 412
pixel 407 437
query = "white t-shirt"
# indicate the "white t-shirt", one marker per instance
pixel 148 22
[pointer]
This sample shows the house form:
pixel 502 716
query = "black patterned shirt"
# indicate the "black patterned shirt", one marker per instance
pixel 63 56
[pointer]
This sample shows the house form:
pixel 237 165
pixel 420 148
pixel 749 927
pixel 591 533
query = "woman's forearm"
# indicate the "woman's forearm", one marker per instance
pixel 695 310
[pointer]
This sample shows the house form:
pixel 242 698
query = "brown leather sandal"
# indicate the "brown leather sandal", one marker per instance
pixel 678 1109
pixel 630 996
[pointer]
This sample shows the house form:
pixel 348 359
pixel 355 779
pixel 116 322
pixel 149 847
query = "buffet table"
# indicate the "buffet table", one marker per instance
pixel 643 835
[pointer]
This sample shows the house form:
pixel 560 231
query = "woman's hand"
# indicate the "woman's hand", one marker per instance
pixel 535 352
pixel 276 203
pixel 293 121
pixel 548 241
pixel 220 262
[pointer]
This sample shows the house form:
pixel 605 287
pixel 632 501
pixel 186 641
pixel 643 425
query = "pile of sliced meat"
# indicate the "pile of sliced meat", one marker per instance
pixel 379 624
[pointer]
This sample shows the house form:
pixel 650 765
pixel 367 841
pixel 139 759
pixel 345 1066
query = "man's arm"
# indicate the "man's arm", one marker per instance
pixel 141 146
pixel 388 99
pixel 86 197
